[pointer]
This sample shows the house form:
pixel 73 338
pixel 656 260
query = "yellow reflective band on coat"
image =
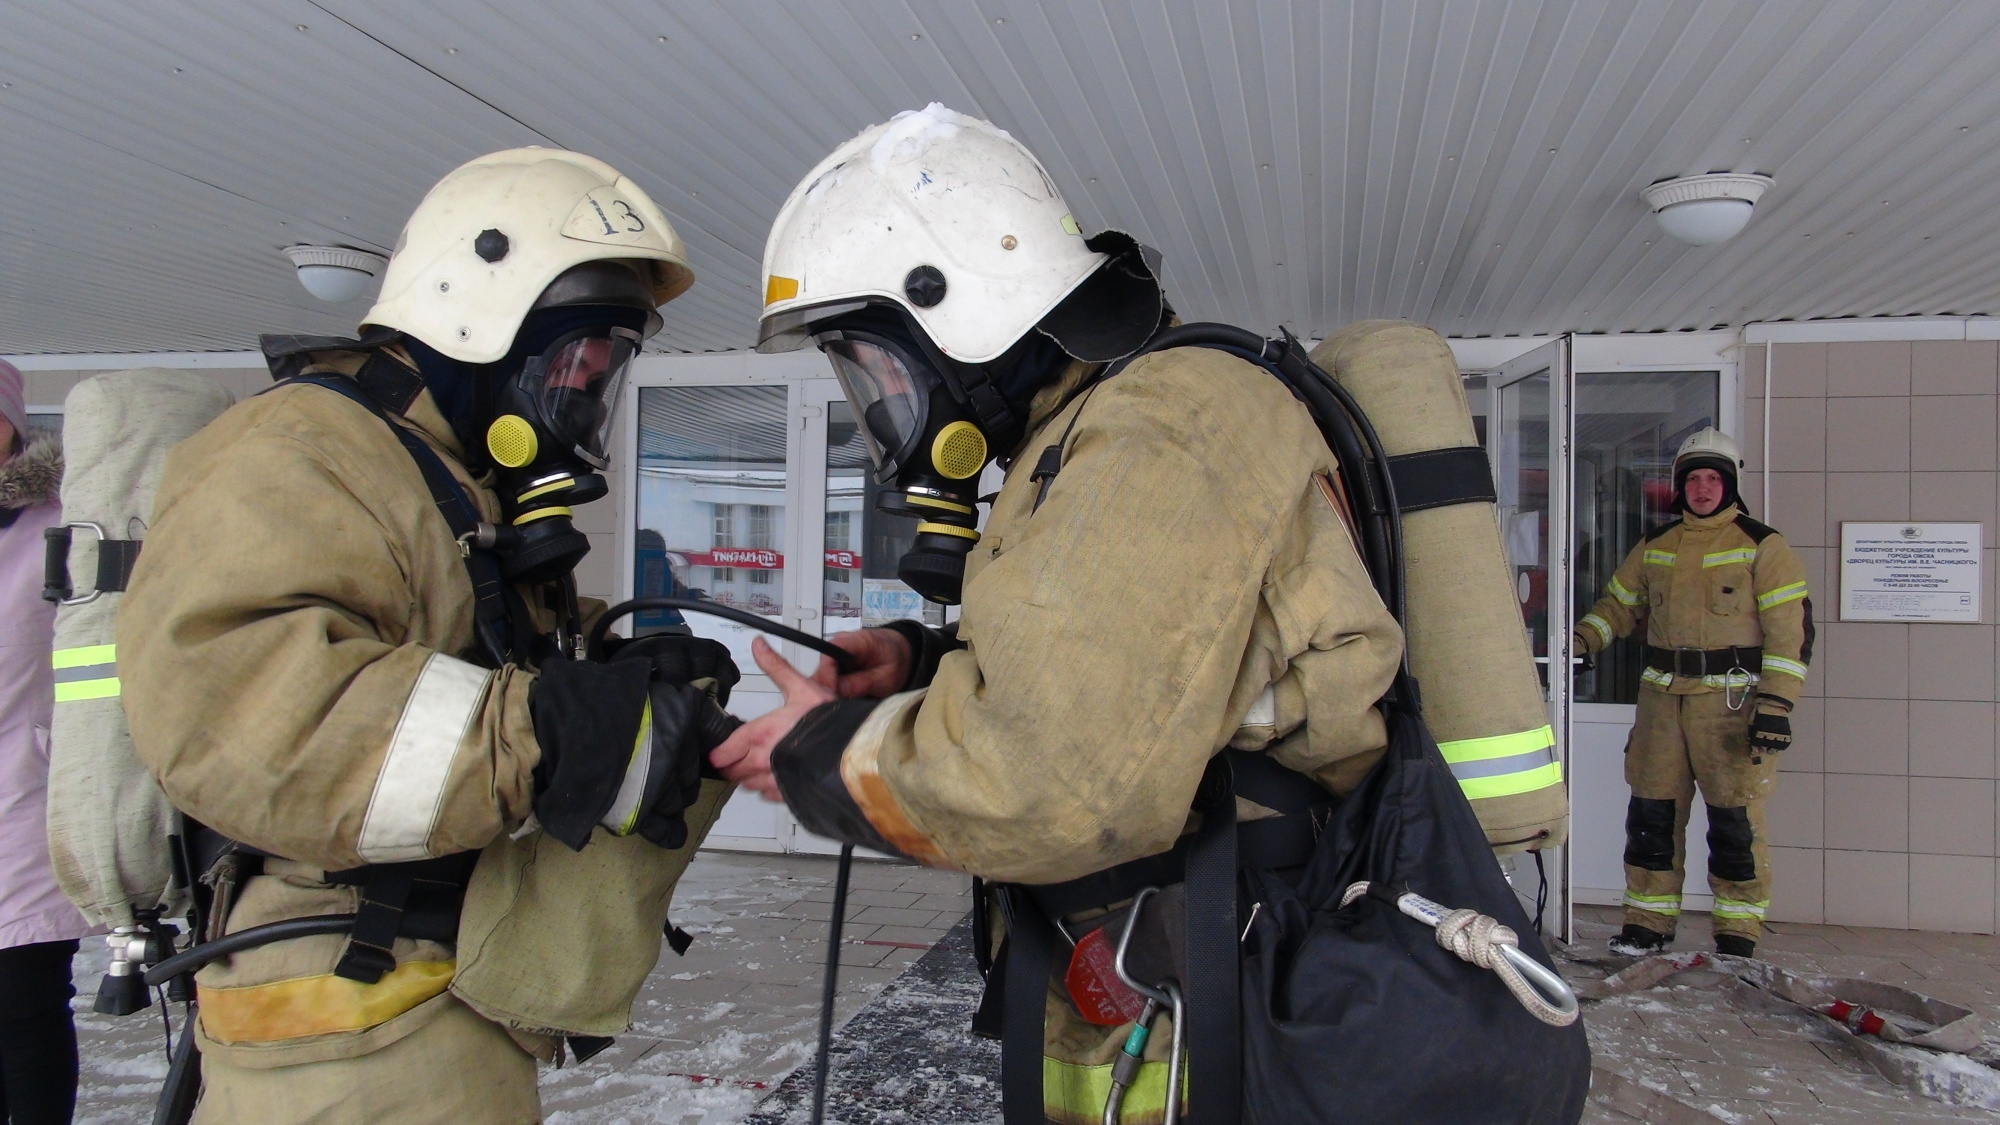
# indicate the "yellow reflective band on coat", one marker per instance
pixel 1732 908
pixel 1742 555
pixel 1659 558
pixel 1780 596
pixel 1778 664
pixel 85 672
pixel 1656 677
pixel 1617 590
pixel 1657 904
pixel 1503 765
pixel 317 1005
pixel 1074 1094
pixel 1598 625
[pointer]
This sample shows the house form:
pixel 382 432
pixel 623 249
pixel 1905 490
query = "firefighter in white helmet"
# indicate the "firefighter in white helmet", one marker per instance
pixel 343 654
pixel 1729 635
pixel 1162 575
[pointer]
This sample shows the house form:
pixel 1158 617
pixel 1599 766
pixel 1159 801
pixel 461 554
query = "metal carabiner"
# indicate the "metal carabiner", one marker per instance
pixel 1729 680
pixel 1166 995
pixel 95 593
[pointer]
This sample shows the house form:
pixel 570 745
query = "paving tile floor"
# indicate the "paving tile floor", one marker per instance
pixel 717 1032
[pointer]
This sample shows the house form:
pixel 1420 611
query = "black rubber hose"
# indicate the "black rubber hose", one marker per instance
pixel 594 643
pixel 832 988
pixel 189 960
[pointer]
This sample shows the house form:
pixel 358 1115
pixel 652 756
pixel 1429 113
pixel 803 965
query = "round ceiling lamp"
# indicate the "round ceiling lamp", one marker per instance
pixel 334 273
pixel 1705 210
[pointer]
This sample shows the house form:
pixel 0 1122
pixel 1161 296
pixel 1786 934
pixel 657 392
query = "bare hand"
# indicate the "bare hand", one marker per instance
pixel 883 659
pixel 745 757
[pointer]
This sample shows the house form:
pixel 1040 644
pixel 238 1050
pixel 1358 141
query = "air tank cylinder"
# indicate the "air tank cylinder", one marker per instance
pixel 1468 649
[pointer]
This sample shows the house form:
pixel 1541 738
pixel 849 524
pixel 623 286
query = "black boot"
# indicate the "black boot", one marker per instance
pixel 1638 941
pixel 1735 945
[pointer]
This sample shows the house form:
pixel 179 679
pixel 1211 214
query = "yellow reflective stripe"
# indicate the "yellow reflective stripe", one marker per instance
pixel 1600 625
pixel 1657 904
pixel 1618 590
pixel 631 794
pixel 1655 676
pixel 1073 1092
pixel 1780 664
pixel 1498 745
pixel 79 690
pixel 1745 555
pixel 1781 595
pixel 1512 784
pixel 83 655
pixel 1659 558
pixel 1731 680
pixel 317 1005
pixel 1732 908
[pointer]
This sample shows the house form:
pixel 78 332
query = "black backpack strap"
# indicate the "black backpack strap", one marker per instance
pixel 1023 975
pixel 1758 532
pixel 497 606
pixel 418 899
pixel 1213 987
pixel 1438 478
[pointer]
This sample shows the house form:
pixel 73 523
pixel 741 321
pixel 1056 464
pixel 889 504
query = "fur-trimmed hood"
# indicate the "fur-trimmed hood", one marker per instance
pixel 34 477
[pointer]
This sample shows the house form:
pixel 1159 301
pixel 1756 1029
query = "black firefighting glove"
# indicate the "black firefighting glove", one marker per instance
pixel 678 658
pixel 1771 726
pixel 622 749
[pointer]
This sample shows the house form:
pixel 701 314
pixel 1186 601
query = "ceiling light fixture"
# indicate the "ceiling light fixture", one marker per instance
pixel 334 273
pixel 1705 210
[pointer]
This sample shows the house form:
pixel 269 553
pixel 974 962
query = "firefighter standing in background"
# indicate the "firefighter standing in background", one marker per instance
pixel 1728 637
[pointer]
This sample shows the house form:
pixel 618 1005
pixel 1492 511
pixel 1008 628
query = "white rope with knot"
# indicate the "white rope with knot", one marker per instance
pixel 1476 938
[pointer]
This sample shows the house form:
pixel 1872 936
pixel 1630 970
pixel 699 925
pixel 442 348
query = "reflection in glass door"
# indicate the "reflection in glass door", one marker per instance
pixel 863 545
pixel 711 506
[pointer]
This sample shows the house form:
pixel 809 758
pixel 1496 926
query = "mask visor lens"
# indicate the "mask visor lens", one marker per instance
pixel 890 398
pixel 581 380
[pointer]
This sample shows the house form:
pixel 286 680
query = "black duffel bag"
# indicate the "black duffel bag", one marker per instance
pixel 1355 1014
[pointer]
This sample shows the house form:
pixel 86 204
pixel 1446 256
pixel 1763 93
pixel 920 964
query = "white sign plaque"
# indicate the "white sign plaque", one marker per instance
pixel 1910 571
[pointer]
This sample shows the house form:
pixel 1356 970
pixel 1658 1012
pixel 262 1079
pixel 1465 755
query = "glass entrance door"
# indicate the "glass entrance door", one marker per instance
pixel 1528 437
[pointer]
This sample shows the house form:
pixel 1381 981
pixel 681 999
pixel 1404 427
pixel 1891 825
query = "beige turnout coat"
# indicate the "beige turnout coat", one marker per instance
pixel 1185 586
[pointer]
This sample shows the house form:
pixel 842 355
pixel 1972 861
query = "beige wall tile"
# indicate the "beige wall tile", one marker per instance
pixel 1750 371
pixel 1951 816
pixel 1751 435
pixel 1798 508
pixel 1873 367
pixel 1951 662
pixel 597 574
pixel 1953 367
pixel 47 388
pixel 1864 660
pixel 1808 752
pixel 1867 435
pixel 1798 885
pixel 1952 893
pixel 1865 813
pixel 1868 889
pixel 1949 739
pixel 1798 371
pixel 1796 815
pixel 1867 497
pixel 1956 498
pixel 1954 432
pixel 1798 434
pixel 1867 736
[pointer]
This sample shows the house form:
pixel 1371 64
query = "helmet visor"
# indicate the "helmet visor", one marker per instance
pixel 579 377
pixel 889 391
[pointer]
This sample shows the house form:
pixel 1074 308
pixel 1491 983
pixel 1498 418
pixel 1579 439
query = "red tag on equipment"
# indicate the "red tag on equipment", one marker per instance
pixel 1094 986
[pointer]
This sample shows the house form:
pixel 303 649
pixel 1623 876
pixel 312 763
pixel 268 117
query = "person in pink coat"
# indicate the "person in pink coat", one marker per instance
pixel 38 926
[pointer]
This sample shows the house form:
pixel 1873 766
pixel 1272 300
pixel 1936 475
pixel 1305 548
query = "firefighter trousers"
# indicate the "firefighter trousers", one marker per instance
pixel 1681 744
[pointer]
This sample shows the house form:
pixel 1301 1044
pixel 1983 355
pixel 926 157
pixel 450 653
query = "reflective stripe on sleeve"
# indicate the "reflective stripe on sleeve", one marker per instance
pixel 1657 904
pixel 1780 596
pixel 1503 765
pixel 624 814
pixel 85 672
pixel 409 790
pixel 1598 625
pixel 1656 677
pixel 1659 558
pixel 1742 555
pixel 1733 908
pixel 1617 590
pixel 1780 664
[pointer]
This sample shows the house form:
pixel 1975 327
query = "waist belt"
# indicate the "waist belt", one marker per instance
pixel 1705 661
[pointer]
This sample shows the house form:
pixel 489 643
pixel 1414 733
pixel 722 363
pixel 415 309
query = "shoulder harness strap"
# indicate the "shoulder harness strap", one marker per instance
pixel 1663 529
pixel 1758 532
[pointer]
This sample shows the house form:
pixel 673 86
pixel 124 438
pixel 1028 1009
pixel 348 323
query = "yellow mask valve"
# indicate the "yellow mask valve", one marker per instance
pixel 511 440
pixel 947 529
pixel 958 451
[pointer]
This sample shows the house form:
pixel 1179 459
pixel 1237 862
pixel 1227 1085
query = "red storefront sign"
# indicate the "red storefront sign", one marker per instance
pixel 762 558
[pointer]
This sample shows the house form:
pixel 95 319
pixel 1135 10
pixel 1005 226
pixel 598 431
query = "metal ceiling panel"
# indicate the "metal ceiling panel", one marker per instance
pixel 1471 163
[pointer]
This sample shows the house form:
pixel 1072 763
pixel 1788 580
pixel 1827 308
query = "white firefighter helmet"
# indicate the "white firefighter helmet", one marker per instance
pixel 1709 448
pixel 490 237
pixel 940 213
